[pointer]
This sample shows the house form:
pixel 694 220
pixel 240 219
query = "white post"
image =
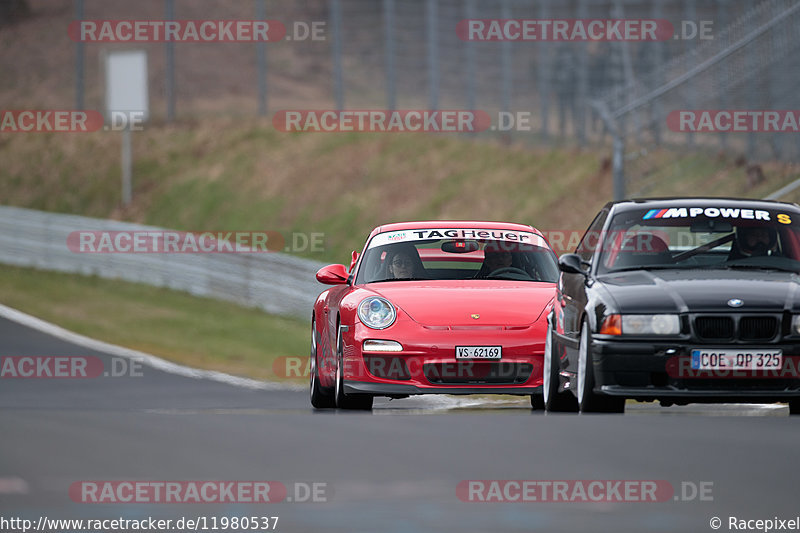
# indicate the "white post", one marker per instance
pixel 127 163
pixel 127 104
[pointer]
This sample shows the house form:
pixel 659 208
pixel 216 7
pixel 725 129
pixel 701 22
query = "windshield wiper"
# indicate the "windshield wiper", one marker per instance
pixel 704 248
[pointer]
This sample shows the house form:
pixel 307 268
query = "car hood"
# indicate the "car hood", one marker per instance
pixel 701 290
pixel 453 303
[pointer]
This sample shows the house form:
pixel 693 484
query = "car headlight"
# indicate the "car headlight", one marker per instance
pixel 641 325
pixel 376 313
pixel 650 325
pixel 796 324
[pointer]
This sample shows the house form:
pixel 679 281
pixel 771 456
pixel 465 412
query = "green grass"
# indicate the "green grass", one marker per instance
pixel 200 332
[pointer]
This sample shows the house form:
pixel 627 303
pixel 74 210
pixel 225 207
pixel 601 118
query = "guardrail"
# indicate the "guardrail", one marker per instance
pixel 275 282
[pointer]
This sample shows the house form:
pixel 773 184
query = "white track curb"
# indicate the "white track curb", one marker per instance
pixel 145 358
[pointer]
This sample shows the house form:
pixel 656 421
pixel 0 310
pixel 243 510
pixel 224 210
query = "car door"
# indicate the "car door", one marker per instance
pixel 571 291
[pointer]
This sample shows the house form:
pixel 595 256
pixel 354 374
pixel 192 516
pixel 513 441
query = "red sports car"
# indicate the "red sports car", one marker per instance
pixel 434 308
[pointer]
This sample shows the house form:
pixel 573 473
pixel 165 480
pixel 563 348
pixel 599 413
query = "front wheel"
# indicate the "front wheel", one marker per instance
pixel 320 398
pixel 537 402
pixel 588 400
pixel 794 407
pixel 553 399
pixel 344 401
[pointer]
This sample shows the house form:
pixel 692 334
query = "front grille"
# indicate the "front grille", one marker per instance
pixel 714 328
pixel 758 328
pixel 477 373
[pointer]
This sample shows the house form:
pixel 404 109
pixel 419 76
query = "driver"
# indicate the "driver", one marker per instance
pixel 403 262
pixel 754 242
pixel 401 265
pixel 494 260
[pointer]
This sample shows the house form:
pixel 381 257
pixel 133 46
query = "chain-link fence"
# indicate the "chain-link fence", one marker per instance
pixel 733 95
pixel 406 54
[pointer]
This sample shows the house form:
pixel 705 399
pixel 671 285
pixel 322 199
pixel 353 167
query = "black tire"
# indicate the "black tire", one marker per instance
pixel 794 407
pixel 320 398
pixel 588 400
pixel 537 402
pixel 554 401
pixel 361 402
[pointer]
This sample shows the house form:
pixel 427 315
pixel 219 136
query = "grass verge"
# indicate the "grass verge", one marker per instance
pixel 199 332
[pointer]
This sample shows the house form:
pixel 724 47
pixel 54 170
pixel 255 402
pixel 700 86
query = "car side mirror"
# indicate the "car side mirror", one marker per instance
pixel 353 260
pixel 332 275
pixel 571 264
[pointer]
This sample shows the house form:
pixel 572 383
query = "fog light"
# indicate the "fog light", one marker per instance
pixel 380 346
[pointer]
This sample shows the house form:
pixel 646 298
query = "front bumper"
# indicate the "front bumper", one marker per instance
pixel 427 363
pixel 653 370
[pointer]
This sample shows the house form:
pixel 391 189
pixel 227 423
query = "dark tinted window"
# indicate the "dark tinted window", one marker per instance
pixel 702 237
pixel 458 259
pixel 590 239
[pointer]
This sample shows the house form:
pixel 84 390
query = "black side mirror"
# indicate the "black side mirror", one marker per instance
pixel 571 264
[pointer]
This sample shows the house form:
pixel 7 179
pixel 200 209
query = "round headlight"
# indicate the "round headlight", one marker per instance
pixel 666 325
pixel 376 313
pixel 796 324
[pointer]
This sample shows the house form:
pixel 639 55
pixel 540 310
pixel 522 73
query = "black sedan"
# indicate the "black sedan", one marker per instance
pixel 678 301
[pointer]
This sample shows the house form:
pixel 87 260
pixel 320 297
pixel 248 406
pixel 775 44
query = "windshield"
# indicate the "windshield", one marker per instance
pixel 452 254
pixel 701 237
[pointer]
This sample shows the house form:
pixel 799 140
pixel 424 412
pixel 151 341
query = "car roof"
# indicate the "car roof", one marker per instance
pixel 666 202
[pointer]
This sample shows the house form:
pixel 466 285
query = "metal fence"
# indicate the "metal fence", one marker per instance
pixel 274 282
pixel 751 65
pixel 405 54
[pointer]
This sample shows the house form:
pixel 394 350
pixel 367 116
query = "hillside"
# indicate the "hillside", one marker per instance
pixel 218 167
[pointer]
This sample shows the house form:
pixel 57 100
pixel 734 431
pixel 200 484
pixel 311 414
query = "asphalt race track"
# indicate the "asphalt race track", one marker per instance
pixel 395 470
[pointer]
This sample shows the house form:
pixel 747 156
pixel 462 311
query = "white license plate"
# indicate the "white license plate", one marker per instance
pixel 479 352
pixel 737 359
